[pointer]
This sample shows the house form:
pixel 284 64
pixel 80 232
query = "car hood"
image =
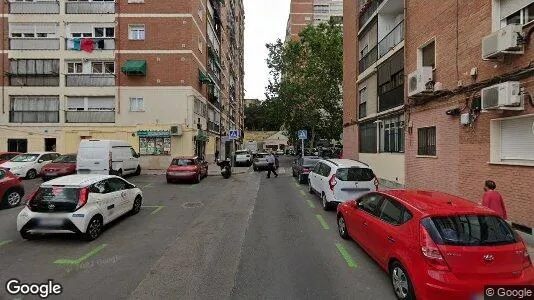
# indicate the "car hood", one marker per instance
pixel 60 166
pixel 12 165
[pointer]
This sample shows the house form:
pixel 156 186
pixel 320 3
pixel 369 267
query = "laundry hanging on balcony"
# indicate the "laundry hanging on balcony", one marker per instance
pixel 87 45
pixel 73 44
pixel 100 44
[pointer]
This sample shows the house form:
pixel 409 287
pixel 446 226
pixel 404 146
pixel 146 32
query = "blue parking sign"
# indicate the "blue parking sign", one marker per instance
pixel 303 134
pixel 234 134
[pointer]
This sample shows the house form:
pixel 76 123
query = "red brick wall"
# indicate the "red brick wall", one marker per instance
pixel 463 154
pixel 159 7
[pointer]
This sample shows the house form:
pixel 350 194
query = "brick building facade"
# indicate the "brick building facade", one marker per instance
pixel 306 12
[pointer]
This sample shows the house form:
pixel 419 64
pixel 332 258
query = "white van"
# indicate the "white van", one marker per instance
pixel 107 157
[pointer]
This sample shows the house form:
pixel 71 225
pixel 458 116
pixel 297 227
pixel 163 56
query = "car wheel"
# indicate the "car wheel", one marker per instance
pixel 25 234
pixel 197 180
pixel 137 205
pixel 138 171
pixel 342 227
pixel 402 286
pixel 31 174
pixel 94 229
pixel 255 169
pixel 12 198
pixel 326 204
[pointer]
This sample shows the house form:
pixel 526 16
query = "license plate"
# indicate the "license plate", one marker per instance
pixel 50 222
pixel 51 174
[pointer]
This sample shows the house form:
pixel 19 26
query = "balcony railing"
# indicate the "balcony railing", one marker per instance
pixel 41 7
pixel 33 80
pixel 98 116
pixel 370 58
pixel 98 44
pixel 94 7
pixel 33 44
pixel 34 116
pixel 90 80
pixel 391 99
pixel 392 39
pixel 368 11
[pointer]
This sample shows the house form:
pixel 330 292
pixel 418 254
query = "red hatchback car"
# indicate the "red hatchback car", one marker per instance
pixel 435 245
pixel 5 156
pixel 187 168
pixel 61 166
pixel 11 189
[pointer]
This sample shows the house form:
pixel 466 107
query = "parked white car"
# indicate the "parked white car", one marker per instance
pixel 81 204
pixel 243 157
pixel 340 180
pixel 29 165
pixel 107 157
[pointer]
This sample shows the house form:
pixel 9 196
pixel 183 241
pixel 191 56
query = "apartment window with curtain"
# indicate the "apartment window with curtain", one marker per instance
pixel 520 12
pixel 137 104
pixel 428 55
pixel 362 106
pixel 392 134
pixel 426 141
pixel 368 137
pixel 34 109
pixel 136 32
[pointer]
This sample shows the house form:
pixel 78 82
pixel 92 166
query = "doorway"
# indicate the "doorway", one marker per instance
pixel 50 144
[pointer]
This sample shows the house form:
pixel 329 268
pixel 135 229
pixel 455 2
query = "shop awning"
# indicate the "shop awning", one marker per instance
pixel 134 67
pixel 153 133
pixel 204 78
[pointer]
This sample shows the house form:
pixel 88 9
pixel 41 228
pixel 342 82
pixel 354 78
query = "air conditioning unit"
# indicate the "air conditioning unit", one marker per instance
pixel 176 130
pixel 506 40
pixel 505 96
pixel 417 80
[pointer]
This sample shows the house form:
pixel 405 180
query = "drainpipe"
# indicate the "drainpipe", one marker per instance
pixel 117 46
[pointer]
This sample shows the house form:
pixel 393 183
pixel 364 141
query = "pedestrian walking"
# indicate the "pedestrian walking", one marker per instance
pixel 271 160
pixel 216 155
pixel 493 199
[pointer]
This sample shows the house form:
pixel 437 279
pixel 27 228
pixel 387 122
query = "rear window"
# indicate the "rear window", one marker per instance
pixel 57 194
pixel 355 174
pixel 471 230
pixel 183 162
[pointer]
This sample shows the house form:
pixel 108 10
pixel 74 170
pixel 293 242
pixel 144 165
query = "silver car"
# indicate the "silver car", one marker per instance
pixel 260 161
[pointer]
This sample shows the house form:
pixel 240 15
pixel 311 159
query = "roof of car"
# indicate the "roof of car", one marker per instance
pixel 78 180
pixel 40 153
pixel 186 157
pixel 437 203
pixel 347 163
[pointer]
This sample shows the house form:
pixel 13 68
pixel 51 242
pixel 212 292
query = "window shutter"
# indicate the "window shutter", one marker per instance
pixel 75 103
pixel 101 103
pixel 509 7
pixel 517 139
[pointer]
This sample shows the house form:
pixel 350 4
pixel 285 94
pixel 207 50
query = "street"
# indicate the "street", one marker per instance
pixel 248 237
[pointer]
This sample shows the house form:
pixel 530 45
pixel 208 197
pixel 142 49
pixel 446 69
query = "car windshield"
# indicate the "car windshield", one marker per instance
pixel 25 158
pixel 70 158
pixel 183 162
pixel 472 230
pixel 355 174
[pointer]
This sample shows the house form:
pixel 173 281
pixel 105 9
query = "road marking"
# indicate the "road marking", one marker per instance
pixel 148 185
pixel 348 259
pixel 157 208
pixel 303 193
pixel 193 186
pixel 79 260
pixel 2 243
pixel 297 185
pixel 323 222
pixel 310 203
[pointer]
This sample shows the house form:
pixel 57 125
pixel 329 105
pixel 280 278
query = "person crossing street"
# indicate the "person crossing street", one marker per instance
pixel 271 160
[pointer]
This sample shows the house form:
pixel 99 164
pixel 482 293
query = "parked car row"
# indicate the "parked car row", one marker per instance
pixel 433 245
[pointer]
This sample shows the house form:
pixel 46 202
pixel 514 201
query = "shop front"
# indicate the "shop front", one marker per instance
pixel 154 148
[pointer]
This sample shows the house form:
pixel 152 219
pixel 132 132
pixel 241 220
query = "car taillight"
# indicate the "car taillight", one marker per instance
pixel 526 257
pixel 306 170
pixel 82 199
pixel 430 250
pixel 30 198
pixel 332 182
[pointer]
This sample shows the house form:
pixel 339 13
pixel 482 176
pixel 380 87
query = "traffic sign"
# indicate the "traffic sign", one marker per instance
pixel 234 134
pixel 303 134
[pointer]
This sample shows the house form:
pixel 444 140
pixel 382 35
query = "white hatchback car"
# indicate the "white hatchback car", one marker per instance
pixel 28 165
pixel 81 204
pixel 340 180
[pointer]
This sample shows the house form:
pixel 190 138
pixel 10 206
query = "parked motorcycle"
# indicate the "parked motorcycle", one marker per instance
pixel 226 168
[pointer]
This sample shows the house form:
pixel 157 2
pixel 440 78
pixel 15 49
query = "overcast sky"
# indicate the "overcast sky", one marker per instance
pixel 265 21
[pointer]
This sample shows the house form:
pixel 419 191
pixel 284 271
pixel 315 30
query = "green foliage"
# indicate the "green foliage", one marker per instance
pixel 257 117
pixel 305 85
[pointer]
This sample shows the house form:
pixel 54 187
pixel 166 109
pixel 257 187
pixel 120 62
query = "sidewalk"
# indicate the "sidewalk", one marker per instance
pixel 213 170
pixel 529 241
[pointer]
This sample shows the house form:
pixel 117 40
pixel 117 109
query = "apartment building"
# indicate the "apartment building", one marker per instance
pixel 374 86
pixel 305 12
pixel 470 113
pixel 165 75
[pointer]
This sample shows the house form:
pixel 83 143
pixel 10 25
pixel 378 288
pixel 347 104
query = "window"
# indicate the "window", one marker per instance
pixel 362 107
pixel 108 32
pixel 392 212
pixel 512 140
pixel 368 137
pixel 200 44
pixel 370 203
pixel 74 68
pixel 428 55
pixel 81 34
pixel 392 134
pixel 33 30
pixel 34 72
pixel 116 184
pixel 17 145
pixel 355 174
pixel 426 138
pixel 137 104
pixel 101 103
pixel 136 1
pixel 134 154
pixel 34 109
pixel 516 12
pixel 325 170
pixel 103 67
pixel 137 32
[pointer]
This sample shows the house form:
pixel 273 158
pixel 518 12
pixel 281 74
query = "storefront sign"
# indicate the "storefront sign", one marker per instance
pixel 154 133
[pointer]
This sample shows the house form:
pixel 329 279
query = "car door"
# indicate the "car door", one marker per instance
pixel 365 209
pixel 120 197
pixel 324 177
pixel 314 174
pixel 98 195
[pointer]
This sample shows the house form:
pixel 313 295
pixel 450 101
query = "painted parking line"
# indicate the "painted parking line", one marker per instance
pixel 297 185
pixel 2 243
pixel 147 186
pixel 303 193
pixel 346 256
pixel 310 203
pixel 323 222
pixel 156 210
pixel 77 261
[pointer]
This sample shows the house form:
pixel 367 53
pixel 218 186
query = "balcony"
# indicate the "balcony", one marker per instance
pixel 98 116
pixel 90 80
pixel 392 39
pixel 391 99
pixel 33 44
pixel 368 59
pixel 41 7
pixel 34 117
pixel 94 7
pixel 367 11
pixel 98 44
pixel 33 80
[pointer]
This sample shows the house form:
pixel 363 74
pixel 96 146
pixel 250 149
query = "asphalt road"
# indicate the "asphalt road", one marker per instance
pixel 244 238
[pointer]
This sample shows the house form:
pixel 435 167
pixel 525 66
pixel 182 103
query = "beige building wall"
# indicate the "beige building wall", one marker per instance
pixel 388 166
